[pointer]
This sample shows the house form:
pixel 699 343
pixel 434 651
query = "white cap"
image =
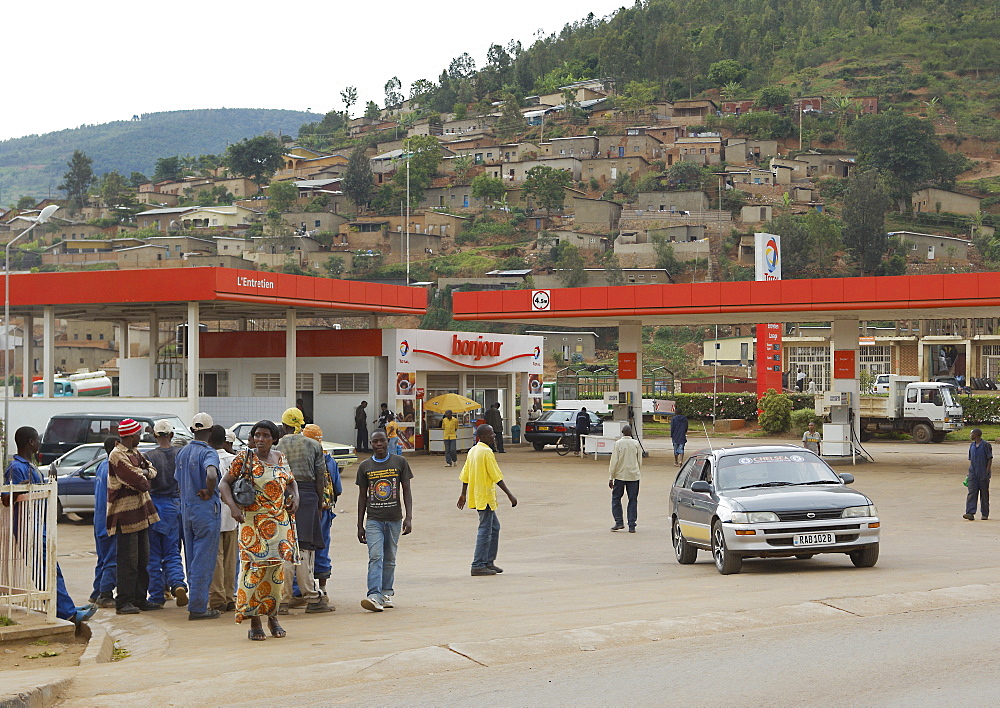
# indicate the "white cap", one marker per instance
pixel 230 436
pixel 163 427
pixel 202 421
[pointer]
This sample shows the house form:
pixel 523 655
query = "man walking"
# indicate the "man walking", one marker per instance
pixel 106 570
pixel 449 429
pixel 130 514
pixel 22 470
pixel 626 461
pixel 197 474
pixel 361 425
pixel 166 569
pixel 980 471
pixel 480 478
pixel 383 490
pixel 305 460
pixel 495 421
pixel 222 591
pixel 678 436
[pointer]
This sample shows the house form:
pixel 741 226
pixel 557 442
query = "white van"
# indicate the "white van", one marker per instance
pixel 881 383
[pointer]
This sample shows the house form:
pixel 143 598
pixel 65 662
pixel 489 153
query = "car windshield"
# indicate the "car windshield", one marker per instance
pixel 180 430
pixel 948 393
pixel 77 457
pixel 773 469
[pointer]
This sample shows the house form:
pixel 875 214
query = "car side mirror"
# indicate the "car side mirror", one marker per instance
pixel 87 474
pixel 847 477
pixel 701 486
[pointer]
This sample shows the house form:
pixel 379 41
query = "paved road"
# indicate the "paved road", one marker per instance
pixel 564 570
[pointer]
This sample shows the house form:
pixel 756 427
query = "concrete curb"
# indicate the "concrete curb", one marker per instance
pixel 100 647
pixel 40 696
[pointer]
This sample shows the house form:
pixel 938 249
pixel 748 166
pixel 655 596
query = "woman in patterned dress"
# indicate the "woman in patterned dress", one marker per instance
pixel 267 529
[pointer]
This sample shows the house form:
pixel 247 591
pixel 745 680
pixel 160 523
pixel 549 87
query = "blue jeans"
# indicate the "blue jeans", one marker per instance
pixel 201 548
pixel 450 451
pixel 166 570
pixel 487 539
pixel 106 570
pixel 65 608
pixel 323 567
pixel 383 539
pixel 620 488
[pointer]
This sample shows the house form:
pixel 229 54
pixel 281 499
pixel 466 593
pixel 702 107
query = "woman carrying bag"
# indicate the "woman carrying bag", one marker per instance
pixel 267 532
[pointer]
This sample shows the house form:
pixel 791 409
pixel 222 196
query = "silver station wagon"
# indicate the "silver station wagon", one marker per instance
pixel 768 501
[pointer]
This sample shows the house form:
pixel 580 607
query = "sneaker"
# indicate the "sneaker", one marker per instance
pixel 206 615
pixel 297 602
pixel 180 594
pixel 483 571
pixel 321 605
pixel 631 529
pixel 372 603
pixel 617 527
pixel 970 517
pixel 150 606
pixel 387 602
pixel 127 609
pixel 495 568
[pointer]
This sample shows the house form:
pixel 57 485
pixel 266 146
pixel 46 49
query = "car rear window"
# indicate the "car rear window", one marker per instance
pixel 773 469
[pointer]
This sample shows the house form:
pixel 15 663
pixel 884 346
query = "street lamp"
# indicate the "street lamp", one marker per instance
pixel 43 216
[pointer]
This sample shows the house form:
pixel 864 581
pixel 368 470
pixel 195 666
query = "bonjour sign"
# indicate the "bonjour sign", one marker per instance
pixel 477 348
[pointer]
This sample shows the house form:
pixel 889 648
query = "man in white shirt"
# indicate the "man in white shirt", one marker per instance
pixel 626 461
pixel 222 592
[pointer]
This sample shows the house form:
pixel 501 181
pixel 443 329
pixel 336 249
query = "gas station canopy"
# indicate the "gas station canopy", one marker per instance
pixel 812 300
pixel 223 294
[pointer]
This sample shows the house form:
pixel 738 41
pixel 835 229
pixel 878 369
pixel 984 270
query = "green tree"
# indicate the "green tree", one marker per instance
pixel 372 111
pixel 115 191
pixel 665 258
pixel 488 188
pixel 393 95
pixel 686 175
pixel 569 261
pixel 773 97
pixel 905 149
pixel 77 180
pixel 727 71
pixel 731 90
pixel 257 158
pixel 461 165
pixel 865 205
pixel 137 179
pixel 359 183
pixel 613 269
pixel 776 412
pixel 423 155
pixel 349 96
pixel 636 96
pixel 25 203
pixel 334 266
pixel 546 186
pixel 511 122
pixel 281 195
pixel 168 169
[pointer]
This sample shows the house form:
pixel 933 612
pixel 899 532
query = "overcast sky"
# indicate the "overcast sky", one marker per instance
pixel 71 63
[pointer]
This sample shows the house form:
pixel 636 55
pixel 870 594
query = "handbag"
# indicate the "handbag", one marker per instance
pixel 243 491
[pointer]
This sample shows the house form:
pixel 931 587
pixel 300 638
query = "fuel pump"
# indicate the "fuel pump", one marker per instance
pixel 838 436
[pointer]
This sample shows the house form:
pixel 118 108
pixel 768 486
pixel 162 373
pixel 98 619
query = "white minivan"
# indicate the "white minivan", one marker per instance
pixel 881 383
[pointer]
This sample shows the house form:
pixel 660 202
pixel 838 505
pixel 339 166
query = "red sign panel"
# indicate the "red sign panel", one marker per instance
pixel 769 358
pixel 628 365
pixel 843 364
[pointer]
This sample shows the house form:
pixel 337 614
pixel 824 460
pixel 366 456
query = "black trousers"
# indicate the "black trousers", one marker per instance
pixel 133 563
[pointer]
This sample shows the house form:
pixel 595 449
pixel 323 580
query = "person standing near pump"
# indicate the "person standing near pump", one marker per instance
pixel 383 491
pixel 480 478
pixel 449 428
pixel 197 474
pixel 495 421
pixel 361 425
pixel 811 438
pixel 625 466
pixel 980 471
pixel 305 460
pixel 582 427
pixel 678 436
pixel 22 470
pixel 166 569
pixel 105 546
pixel 130 514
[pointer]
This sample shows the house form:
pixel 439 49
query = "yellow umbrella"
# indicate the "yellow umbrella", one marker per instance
pixel 451 402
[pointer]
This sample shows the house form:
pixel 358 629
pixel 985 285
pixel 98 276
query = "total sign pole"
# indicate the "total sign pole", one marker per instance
pixel 767 250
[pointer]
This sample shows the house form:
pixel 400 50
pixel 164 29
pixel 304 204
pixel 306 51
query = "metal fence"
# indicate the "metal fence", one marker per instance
pixel 28 549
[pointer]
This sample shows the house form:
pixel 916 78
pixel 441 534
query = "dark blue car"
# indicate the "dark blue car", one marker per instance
pixel 76 489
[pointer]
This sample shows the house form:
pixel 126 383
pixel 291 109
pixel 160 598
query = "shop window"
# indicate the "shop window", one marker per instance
pixel 213 383
pixel 343 383
pixel 303 382
pixel 266 384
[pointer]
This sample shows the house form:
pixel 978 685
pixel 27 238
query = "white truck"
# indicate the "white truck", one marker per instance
pixel 926 410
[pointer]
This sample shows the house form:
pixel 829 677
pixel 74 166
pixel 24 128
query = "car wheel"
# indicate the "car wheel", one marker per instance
pixel 60 516
pixel 538 446
pixel 726 562
pixel 922 433
pixel 685 553
pixel 865 436
pixel 865 557
pixel 804 556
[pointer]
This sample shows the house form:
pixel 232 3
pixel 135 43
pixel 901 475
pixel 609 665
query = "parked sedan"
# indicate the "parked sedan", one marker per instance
pixel 552 425
pixel 76 488
pixel 345 455
pixel 75 459
pixel 768 501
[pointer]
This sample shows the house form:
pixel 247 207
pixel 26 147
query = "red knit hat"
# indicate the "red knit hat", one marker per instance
pixel 129 427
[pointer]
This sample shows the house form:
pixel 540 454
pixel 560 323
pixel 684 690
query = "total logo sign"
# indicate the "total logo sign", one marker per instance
pixel 768 256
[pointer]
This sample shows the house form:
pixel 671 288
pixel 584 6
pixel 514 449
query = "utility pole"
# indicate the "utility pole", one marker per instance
pixel 407 221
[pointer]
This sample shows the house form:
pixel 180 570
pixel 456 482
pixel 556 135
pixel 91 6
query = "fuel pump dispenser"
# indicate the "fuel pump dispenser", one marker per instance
pixel 619 403
pixel 838 434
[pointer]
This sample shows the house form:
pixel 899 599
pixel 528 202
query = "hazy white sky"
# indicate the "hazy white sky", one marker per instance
pixel 72 62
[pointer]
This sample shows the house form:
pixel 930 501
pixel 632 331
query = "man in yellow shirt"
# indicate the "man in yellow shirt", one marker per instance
pixel 480 478
pixel 449 424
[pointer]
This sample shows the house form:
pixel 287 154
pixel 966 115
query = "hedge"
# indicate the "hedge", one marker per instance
pixel 980 409
pixel 730 405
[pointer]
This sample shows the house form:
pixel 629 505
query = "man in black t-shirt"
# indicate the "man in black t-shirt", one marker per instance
pixel 383 490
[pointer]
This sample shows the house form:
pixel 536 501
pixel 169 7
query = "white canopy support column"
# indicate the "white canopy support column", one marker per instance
pixel 192 351
pixel 124 348
pixel 291 357
pixel 27 355
pixel 630 345
pixel 48 349
pixel 154 348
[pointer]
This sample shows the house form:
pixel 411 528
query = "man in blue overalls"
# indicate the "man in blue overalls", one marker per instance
pixel 197 475
pixel 22 471
pixel 980 471
pixel 106 570
pixel 166 570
